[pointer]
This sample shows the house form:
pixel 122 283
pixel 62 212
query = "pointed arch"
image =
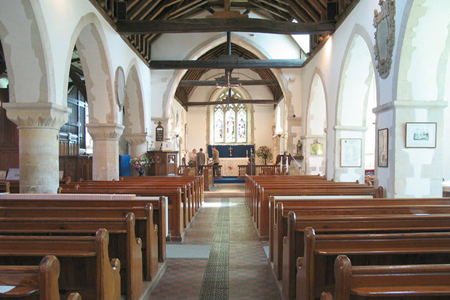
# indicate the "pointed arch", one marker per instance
pixel 316 127
pixel 356 95
pixel 134 103
pixel 88 37
pixel 24 40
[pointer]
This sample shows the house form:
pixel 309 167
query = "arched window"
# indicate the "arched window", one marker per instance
pixel 230 120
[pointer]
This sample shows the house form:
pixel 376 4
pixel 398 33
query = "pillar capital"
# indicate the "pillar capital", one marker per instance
pixel 136 138
pixel 105 131
pixel 37 115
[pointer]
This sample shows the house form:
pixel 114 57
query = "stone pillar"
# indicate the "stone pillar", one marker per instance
pixel 39 125
pixel 106 150
pixel 138 146
pixel 417 172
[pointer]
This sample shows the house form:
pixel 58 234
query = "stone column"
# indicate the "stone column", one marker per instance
pixel 39 125
pixel 106 150
pixel 138 146
pixel 412 172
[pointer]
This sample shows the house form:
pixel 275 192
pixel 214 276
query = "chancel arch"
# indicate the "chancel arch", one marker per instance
pixel 357 92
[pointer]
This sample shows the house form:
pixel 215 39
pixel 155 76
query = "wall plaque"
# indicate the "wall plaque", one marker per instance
pixel 384 24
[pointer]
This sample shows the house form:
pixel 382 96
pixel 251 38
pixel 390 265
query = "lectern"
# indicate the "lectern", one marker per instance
pixel 162 163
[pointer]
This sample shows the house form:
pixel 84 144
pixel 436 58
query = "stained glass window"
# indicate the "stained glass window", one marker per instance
pixel 230 120
pixel 242 124
pixel 218 124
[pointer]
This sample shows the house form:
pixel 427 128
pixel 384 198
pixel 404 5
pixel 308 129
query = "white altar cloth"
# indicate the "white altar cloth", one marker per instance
pixel 230 165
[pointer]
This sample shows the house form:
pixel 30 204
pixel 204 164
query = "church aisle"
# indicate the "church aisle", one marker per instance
pixel 220 258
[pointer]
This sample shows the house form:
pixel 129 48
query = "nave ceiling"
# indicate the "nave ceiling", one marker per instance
pixel 146 20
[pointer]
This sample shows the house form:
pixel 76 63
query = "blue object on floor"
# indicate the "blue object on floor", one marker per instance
pixel 229 180
pixel 124 165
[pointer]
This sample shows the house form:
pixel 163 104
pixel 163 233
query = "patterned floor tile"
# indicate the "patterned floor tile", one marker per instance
pixel 237 267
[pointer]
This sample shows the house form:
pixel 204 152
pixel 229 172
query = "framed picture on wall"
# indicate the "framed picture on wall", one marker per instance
pixel 351 152
pixel 420 135
pixel 383 141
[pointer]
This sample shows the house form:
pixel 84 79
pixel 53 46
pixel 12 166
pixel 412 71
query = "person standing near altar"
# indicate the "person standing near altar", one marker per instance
pixel 216 160
pixel 201 160
pixel 193 158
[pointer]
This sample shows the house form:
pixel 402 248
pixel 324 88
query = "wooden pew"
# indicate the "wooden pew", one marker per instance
pixel 293 243
pixel 146 230
pixel 258 188
pixel 421 281
pixel 100 279
pixel 262 214
pixel 122 240
pixel 253 182
pixel 341 206
pixel 175 205
pixel 196 181
pixel 367 249
pixel 39 279
pixel 126 202
pixel 5 187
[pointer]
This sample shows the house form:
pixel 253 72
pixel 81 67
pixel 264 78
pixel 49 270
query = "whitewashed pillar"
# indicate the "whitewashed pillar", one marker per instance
pixel 39 125
pixel 106 150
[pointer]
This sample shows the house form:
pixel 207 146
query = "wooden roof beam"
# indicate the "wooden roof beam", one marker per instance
pixel 227 64
pixel 223 25
pixel 232 101
pixel 214 83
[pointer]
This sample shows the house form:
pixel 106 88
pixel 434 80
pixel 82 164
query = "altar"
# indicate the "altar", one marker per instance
pixel 230 165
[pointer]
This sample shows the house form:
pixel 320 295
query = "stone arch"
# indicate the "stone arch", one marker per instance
pixel 316 127
pixel 357 88
pixel 205 47
pixel 91 44
pixel 24 40
pixel 134 103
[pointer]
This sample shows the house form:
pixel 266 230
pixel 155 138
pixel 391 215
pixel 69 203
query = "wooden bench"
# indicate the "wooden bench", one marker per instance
pixel 175 205
pixel 253 182
pixel 194 189
pixel 33 280
pixel 342 207
pixel 85 263
pixel 146 232
pixel 122 241
pixel 258 188
pixel 293 243
pixel 148 224
pixel 5 187
pixel 262 213
pixel 403 248
pixel 388 281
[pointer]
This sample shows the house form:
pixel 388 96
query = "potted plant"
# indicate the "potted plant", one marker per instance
pixel 265 153
pixel 140 164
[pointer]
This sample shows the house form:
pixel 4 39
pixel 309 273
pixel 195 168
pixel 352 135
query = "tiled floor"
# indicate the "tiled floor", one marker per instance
pixel 224 227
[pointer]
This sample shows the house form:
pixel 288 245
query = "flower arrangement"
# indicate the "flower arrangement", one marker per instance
pixel 265 153
pixel 139 164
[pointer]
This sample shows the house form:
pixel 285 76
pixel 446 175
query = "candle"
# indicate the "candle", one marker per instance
pixel 246 153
